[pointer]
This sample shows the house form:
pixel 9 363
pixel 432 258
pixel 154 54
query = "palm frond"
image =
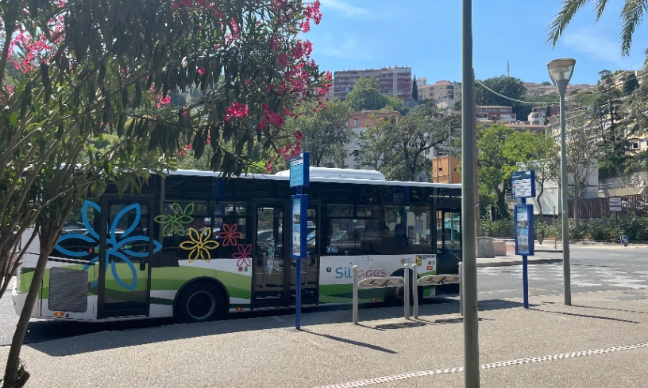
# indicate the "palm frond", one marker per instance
pixel 632 13
pixel 600 7
pixel 562 19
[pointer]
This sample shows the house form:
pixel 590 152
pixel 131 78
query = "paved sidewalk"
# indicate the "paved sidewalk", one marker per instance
pixel 599 341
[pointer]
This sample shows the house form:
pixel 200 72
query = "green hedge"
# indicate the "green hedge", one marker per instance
pixel 498 228
pixel 591 229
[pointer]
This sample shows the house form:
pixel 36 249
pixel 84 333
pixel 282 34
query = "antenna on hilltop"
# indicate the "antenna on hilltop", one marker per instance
pixel 508 69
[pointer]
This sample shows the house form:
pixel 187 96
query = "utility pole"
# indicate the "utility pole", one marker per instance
pixel 468 201
pixel 450 153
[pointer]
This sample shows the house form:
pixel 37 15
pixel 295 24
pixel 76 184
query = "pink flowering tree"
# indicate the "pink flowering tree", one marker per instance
pixel 75 74
pixel 244 104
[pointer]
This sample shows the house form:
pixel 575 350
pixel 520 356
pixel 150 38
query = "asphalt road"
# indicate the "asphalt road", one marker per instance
pixel 594 267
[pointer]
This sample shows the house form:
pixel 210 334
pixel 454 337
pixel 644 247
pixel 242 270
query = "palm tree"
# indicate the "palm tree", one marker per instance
pixel 632 14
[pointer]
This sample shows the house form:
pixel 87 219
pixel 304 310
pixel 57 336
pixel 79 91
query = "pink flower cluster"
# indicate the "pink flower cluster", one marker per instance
pixel 37 48
pixel 327 84
pixel 270 117
pixel 277 5
pixel 290 151
pixel 231 32
pixel 302 49
pixel 311 12
pixel 238 109
pixel 163 101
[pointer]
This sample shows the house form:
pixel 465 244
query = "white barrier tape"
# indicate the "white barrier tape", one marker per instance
pixel 499 364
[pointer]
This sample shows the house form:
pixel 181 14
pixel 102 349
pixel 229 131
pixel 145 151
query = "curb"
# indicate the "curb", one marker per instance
pixel 517 262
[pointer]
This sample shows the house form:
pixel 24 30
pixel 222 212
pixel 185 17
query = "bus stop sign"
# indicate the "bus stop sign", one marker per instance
pixel 299 172
pixel 523 184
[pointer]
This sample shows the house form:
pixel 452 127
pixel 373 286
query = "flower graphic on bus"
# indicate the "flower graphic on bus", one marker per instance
pixel 230 234
pixel 175 223
pixel 244 256
pixel 199 244
pixel 119 243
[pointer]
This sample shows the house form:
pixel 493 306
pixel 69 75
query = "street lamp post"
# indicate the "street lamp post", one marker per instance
pixel 561 71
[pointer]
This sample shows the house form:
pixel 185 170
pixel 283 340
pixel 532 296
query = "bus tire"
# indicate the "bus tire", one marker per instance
pixel 200 302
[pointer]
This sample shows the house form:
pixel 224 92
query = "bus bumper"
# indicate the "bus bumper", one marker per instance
pixel 19 301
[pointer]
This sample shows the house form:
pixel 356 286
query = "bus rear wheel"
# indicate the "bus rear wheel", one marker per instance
pixel 200 302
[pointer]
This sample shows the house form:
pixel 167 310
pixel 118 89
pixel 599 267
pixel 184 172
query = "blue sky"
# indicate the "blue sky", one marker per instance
pixel 426 36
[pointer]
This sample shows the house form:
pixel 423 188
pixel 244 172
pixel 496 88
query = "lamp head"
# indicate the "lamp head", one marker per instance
pixel 561 70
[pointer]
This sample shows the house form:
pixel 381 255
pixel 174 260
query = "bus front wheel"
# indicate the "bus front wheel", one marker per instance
pixel 200 302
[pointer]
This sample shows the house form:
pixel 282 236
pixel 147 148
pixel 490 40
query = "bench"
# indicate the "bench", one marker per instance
pixel 436 280
pixel 403 281
pixel 379 282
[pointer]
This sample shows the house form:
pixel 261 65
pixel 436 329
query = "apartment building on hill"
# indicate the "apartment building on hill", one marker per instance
pixel 441 92
pixel 503 114
pixel 547 88
pixel 394 81
pixel 538 113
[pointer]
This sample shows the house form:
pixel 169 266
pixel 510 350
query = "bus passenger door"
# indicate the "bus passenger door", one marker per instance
pixel 310 265
pixel 448 240
pixel 271 256
pixel 126 241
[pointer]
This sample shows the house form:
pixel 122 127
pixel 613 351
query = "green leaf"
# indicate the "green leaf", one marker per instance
pixel 47 84
pixel 138 94
pixel 124 96
pixel 26 99
pixel 13 119
pixel 120 126
pixel 91 91
pixel 102 74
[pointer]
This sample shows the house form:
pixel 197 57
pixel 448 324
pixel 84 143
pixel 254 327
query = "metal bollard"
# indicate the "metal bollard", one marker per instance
pixel 415 289
pixel 355 295
pixel 406 290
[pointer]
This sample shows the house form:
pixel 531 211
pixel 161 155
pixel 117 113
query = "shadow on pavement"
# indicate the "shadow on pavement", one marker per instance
pixel 400 325
pixel 586 316
pixel 610 309
pixel 352 342
pixel 497 304
pixel 62 338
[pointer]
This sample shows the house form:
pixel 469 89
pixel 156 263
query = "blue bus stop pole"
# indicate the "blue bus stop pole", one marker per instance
pixel 298 295
pixel 525 277
pixel 525 281
pixel 298 285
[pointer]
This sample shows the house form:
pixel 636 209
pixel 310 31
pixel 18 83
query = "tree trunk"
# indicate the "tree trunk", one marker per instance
pixel 501 204
pixel 576 214
pixel 539 202
pixel 14 377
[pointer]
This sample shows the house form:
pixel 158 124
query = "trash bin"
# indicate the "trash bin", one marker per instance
pixel 625 240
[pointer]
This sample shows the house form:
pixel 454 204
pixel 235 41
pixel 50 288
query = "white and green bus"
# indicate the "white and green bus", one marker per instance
pixel 196 245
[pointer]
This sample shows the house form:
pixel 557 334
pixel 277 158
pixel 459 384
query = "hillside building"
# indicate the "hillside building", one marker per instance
pixel 394 81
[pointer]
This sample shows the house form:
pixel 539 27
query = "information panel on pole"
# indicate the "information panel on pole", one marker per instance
pixel 299 170
pixel 523 184
pixel 523 218
pixel 299 205
pixel 299 177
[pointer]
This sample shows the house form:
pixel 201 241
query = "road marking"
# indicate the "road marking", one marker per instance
pixel 499 364
pixel 497 291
